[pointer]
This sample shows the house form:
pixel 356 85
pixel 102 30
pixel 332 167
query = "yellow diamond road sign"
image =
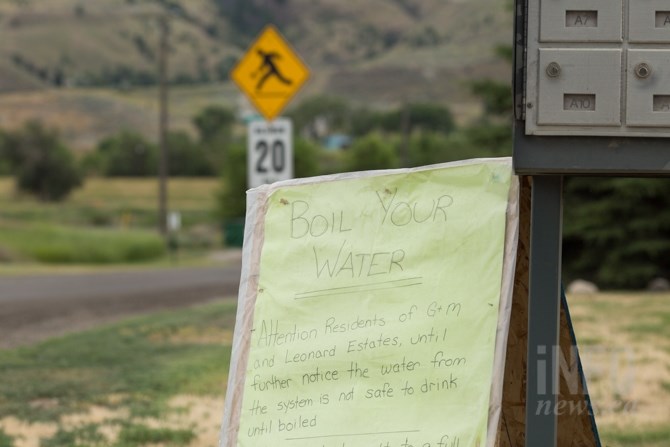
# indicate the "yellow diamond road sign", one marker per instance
pixel 270 73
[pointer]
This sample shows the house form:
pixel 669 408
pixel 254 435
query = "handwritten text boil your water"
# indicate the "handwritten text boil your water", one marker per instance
pixel 310 369
pixel 352 264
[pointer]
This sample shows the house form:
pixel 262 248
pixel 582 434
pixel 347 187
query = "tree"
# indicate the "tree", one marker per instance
pixel 187 158
pixel 213 122
pixel 215 128
pixel 494 129
pixel 42 164
pixel 127 154
pixel 313 112
pixel 617 230
pixel 426 148
pixel 232 195
pixel 306 158
pixel 371 152
pixel 422 116
pixel 497 97
pixel 494 139
pixel 5 162
pixel 364 121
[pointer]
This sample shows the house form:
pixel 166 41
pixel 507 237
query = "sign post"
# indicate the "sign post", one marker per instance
pixel 269 152
pixel 270 74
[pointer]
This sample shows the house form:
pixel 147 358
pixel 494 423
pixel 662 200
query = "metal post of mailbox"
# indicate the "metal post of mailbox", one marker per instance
pixel 544 311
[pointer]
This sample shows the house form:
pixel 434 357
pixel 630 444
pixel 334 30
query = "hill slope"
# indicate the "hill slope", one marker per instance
pixel 377 52
pixel 80 43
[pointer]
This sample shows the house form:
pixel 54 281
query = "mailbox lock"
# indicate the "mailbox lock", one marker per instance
pixel 553 70
pixel 643 70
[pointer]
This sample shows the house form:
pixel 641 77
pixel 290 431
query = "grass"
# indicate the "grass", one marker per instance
pixel 145 360
pixel 108 221
pixel 139 434
pixel 656 324
pixel 186 258
pixel 130 435
pixel 126 202
pixel 650 438
pixel 5 441
pixel 54 244
pixel 86 435
pixel 632 330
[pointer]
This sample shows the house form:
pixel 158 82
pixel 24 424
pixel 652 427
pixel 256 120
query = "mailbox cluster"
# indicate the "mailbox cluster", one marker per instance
pixel 598 67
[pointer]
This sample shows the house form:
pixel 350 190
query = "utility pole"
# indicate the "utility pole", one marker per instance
pixel 163 168
pixel 406 129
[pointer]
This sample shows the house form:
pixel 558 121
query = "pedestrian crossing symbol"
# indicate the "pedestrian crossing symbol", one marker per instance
pixel 270 73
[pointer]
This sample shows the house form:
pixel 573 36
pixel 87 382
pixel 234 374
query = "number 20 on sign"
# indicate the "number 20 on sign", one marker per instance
pixel 270 152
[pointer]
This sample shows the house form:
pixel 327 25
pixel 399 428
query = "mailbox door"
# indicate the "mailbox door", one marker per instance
pixel 581 21
pixel 582 90
pixel 649 21
pixel 648 93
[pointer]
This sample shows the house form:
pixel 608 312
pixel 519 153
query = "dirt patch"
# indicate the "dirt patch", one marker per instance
pixel 27 434
pixel 200 414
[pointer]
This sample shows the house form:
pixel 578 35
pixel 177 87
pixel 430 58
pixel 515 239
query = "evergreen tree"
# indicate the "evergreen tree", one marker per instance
pixel 617 230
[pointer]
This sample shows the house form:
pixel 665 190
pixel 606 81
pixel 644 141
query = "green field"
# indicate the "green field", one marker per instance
pixel 108 221
pixel 121 379
pixel 160 379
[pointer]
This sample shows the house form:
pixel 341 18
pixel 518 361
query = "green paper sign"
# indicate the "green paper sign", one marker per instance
pixel 376 310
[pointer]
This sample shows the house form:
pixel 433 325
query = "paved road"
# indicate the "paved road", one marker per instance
pixel 37 307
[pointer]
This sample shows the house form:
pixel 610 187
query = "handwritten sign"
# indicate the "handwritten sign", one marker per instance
pixel 370 310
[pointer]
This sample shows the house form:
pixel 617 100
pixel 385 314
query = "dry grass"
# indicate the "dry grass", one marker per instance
pixel 625 346
pixel 85 116
pixel 118 196
pixel 184 193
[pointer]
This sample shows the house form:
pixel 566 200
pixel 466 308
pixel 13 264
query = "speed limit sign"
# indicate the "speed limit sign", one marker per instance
pixel 270 152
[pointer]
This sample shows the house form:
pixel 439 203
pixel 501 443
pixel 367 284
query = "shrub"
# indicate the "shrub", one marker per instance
pixel 5 166
pixel 186 158
pixel 371 152
pixel 6 440
pixel 364 121
pixel 423 116
pixel 306 158
pixel 426 148
pixel 617 230
pixel 55 244
pixel 215 128
pixel 213 121
pixel 334 111
pixel 232 195
pixel 43 166
pixel 127 154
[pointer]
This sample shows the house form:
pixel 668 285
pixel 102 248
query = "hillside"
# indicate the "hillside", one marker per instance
pixel 378 52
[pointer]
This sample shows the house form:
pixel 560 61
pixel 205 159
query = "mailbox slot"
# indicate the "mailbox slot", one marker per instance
pixel 581 21
pixel 649 21
pixel 579 87
pixel 648 97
